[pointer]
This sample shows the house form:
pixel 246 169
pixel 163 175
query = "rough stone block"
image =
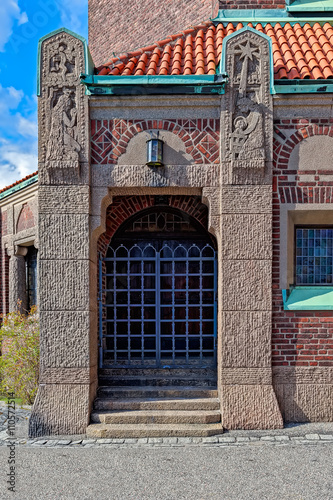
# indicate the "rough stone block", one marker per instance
pixel 246 285
pixel 246 236
pixel 64 285
pixel 246 339
pixel 65 339
pixel 303 375
pixel 250 407
pixel 305 402
pixel 63 199
pixel 64 236
pixel 246 376
pixel 60 410
pixel 180 176
pixel 246 199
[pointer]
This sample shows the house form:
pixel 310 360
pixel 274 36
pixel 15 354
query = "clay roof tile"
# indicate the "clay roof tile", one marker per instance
pixel 298 52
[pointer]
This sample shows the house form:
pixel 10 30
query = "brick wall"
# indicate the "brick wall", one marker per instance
pixel 122 26
pixel 109 138
pixel 300 338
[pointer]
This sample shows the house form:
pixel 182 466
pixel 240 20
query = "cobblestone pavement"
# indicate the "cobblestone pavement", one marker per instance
pixel 307 434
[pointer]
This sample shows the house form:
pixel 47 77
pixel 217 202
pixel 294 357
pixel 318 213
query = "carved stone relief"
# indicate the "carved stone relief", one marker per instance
pixel 247 110
pixel 62 111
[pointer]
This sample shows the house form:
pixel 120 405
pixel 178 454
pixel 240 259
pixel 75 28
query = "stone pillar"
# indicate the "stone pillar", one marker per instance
pixel 17 279
pixel 68 316
pixel 247 396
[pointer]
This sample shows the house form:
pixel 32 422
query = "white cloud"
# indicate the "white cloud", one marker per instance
pixel 18 135
pixel 16 161
pixel 73 13
pixel 10 13
pixel 27 127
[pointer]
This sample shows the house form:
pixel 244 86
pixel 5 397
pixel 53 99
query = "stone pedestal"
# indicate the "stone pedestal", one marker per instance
pixel 247 396
pixel 68 316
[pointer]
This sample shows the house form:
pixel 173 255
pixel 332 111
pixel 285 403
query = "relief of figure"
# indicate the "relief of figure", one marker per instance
pixel 247 139
pixel 63 61
pixel 63 144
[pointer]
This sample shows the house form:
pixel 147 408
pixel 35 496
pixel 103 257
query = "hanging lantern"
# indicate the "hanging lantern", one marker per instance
pixel 154 151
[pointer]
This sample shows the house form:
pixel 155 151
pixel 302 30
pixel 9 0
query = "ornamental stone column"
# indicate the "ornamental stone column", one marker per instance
pixel 247 396
pixel 68 319
pixel 17 279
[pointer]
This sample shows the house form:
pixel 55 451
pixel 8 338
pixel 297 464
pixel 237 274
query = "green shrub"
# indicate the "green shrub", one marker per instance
pixel 19 360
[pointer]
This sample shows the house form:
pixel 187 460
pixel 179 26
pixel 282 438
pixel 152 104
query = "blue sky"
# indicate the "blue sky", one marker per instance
pixel 22 24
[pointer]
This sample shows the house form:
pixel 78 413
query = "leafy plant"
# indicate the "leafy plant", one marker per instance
pixel 19 360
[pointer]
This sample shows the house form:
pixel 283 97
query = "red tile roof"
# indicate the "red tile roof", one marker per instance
pixel 18 182
pixel 299 52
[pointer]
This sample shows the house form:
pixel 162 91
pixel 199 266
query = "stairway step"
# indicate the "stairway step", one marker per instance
pixel 168 392
pixel 142 381
pixel 158 372
pixel 157 404
pixel 156 417
pixel 152 430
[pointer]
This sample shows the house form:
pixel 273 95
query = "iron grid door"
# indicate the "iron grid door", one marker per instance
pixel 158 305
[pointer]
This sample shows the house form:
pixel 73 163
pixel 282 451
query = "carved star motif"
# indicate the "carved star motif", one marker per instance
pixel 248 51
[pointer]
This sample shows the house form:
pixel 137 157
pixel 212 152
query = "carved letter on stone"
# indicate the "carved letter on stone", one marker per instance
pixel 247 107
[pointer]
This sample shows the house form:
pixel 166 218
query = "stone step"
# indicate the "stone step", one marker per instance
pixel 152 430
pixel 157 404
pixel 141 381
pixel 145 392
pixel 158 372
pixel 156 417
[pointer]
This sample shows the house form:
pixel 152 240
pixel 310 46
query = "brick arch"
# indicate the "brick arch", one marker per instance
pixel 297 191
pixel 124 207
pixel 26 218
pixel 110 138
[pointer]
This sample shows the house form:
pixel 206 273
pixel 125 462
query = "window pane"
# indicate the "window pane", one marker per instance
pixel 313 264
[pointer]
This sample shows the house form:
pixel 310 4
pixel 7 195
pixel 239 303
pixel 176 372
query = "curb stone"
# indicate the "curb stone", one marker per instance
pixel 216 441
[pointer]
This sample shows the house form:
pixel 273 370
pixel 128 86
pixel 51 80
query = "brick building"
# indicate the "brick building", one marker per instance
pixel 182 220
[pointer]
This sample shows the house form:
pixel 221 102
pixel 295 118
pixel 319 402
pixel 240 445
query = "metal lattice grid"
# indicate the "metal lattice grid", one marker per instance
pixel 159 306
pixel 314 256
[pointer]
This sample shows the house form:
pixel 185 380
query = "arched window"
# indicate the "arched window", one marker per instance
pixel 158 286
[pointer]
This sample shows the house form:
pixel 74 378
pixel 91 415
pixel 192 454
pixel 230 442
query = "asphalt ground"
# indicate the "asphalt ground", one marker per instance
pixel 291 471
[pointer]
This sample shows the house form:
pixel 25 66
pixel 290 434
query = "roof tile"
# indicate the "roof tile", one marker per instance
pixel 298 52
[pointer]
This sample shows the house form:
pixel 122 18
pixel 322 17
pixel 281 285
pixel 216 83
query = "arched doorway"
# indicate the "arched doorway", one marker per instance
pixel 158 293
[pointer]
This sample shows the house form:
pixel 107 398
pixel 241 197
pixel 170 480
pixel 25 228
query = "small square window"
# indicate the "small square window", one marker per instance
pixel 313 255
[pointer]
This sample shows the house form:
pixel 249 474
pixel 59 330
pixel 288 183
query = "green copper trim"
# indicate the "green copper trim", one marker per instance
pixel 152 84
pixel 19 186
pixel 223 62
pixel 270 16
pixel 309 6
pixel 89 65
pixel 303 86
pixel 308 298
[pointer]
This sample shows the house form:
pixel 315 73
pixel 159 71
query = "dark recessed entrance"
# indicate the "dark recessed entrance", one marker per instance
pixel 158 291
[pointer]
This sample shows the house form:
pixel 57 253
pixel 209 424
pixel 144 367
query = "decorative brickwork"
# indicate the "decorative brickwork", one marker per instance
pixel 111 137
pixel 26 218
pixel 300 338
pixel 124 207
